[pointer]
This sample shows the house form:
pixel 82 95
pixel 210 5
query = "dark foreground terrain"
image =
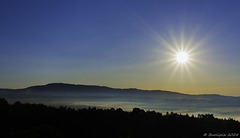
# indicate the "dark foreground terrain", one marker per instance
pixel 41 121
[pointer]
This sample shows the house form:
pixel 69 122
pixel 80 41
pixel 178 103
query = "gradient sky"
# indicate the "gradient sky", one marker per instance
pixel 121 44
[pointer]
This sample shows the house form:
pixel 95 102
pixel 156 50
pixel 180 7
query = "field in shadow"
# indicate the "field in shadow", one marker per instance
pixel 38 121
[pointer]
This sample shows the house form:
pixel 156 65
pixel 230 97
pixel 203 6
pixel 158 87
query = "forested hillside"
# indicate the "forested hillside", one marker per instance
pixel 41 121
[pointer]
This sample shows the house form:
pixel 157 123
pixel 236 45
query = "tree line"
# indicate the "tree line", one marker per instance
pixel 42 121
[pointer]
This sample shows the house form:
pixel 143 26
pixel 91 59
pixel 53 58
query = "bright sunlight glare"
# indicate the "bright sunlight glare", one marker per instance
pixel 182 57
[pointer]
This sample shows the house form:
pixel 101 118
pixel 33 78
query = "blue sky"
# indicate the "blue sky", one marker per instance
pixel 120 44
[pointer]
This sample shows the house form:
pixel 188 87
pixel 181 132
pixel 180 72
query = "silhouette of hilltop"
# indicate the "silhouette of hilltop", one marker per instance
pixel 63 87
pixel 168 95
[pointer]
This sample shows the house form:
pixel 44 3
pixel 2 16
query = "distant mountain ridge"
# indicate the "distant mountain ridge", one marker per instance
pixel 64 87
pixel 67 87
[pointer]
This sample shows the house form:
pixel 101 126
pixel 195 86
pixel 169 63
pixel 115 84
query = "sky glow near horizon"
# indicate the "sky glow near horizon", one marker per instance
pixel 122 44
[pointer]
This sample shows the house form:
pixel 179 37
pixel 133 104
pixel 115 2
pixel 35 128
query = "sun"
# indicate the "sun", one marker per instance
pixel 182 57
